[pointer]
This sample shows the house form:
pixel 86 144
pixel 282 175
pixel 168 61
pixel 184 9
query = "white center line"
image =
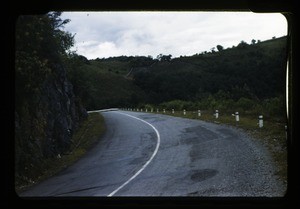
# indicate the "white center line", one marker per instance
pixel 146 164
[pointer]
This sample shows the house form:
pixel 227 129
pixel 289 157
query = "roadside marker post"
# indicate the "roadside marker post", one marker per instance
pixel 237 117
pixel 260 121
pixel 199 113
pixel 217 114
pixel 173 111
pixel 184 112
pixel 164 110
pixel 286 131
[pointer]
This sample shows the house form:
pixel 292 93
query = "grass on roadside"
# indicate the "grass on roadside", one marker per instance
pixel 83 139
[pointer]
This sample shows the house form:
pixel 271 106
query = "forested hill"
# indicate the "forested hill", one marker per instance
pixel 253 71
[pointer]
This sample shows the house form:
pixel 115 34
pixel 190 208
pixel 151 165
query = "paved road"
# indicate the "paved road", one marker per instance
pixel 144 154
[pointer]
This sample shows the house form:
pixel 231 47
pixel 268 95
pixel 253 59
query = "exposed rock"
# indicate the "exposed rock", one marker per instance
pixel 63 113
pixel 45 123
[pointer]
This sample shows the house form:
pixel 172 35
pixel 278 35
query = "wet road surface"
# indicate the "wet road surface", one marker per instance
pixel 144 154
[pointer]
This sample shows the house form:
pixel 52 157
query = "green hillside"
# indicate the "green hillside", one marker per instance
pixel 238 77
pixel 254 71
pixel 102 85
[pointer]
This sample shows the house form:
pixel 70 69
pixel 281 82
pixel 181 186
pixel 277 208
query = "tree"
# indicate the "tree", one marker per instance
pixel 253 41
pixel 167 57
pixel 220 48
pixel 65 40
pixel 242 44
pixel 40 43
pixel 162 57
pixel 159 57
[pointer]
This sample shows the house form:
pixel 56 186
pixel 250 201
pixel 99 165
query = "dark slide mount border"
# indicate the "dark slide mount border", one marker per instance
pixel 286 7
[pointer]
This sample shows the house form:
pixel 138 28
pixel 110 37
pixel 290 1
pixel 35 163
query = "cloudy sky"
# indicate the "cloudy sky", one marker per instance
pixel 109 34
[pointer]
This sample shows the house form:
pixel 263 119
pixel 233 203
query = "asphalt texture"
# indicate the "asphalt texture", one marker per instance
pixel 145 154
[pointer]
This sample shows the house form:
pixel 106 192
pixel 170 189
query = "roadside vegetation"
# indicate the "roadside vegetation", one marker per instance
pixel 88 134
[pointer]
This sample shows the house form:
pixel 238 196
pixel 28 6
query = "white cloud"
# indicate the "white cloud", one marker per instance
pixel 105 34
pixel 94 49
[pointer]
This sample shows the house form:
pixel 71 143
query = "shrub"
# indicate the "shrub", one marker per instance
pixel 178 105
pixel 245 104
pixel 274 106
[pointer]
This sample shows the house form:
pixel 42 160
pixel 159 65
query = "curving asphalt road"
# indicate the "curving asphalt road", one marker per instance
pixel 144 154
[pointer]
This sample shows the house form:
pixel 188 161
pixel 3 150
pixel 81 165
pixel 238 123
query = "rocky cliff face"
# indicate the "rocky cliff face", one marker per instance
pixel 63 113
pixel 45 122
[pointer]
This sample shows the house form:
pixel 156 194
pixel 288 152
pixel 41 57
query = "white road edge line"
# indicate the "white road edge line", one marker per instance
pixel 147 163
